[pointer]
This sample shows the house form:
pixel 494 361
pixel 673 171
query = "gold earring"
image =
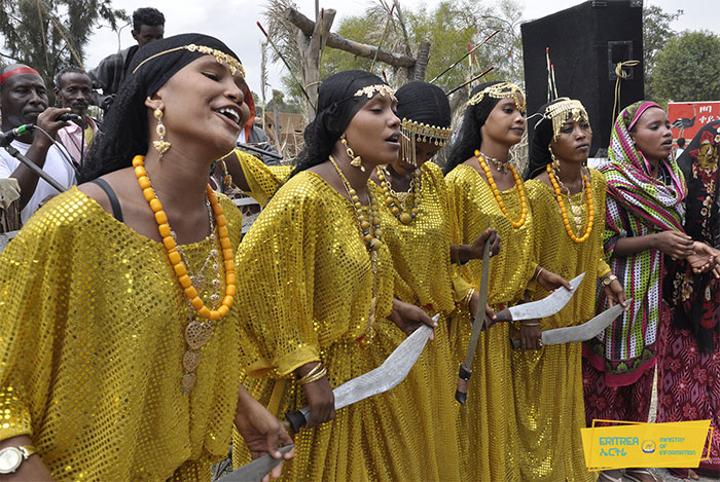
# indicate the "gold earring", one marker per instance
pixel 356 161
pixel 161 145
pixel 555 162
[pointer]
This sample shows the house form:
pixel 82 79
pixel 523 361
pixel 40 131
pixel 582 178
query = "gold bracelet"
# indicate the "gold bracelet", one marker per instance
pixel 317 376
pixel 538 270
pixel 311 373
pixel 468 298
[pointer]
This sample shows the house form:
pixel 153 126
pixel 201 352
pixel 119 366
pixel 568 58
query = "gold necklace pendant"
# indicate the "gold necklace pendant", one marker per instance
pixel 500 166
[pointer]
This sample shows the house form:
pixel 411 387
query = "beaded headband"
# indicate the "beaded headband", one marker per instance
pixel 566 110
pixel 221 57
pixel 370 90
pixel 412 132
pixel 426 133
pixel 502 90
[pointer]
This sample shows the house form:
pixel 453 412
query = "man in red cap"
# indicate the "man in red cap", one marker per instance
pixel 24 100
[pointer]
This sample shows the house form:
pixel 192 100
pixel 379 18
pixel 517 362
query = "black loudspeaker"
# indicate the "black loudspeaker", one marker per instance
pixel 586 42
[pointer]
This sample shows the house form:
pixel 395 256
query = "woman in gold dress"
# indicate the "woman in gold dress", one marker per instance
pixel 570 200
pixel 118 328
pixel 417 227
pixel 320 279
pixel 486 191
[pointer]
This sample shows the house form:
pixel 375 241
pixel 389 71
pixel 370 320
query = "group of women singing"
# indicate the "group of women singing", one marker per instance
pixel 137 328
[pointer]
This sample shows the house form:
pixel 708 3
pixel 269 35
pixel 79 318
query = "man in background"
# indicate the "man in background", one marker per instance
pixel 148 26
pixel 73 89
pixel 24 100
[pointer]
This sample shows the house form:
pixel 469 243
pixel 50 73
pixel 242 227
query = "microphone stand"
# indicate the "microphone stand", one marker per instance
pixel 32 166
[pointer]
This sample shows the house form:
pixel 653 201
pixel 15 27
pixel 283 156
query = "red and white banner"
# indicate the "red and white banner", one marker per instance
pixel 687 118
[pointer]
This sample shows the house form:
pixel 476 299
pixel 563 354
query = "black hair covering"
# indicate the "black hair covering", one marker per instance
pixel 542 136
pixel 469 136
pixel 337 105
pixel 125 129
pixel 423 102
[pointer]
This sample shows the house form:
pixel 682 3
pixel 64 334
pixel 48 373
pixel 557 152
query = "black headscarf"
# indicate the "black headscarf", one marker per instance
pixel 692 310
pixel 469 136
pixel 125 129
pixel 337 105
pixel 542 136
pixel 423 102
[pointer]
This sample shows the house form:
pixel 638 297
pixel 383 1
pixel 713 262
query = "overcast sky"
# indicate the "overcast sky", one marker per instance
pixel 233 21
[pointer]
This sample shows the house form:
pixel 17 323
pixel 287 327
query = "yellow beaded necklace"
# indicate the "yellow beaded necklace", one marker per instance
pixel 398 204
pixel 498 196
pixel 589 206
pixel 176 261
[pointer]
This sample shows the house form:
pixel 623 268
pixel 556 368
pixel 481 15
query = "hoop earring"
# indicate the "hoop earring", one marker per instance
pixel 356 161
pixel 161 145
pixel 555 162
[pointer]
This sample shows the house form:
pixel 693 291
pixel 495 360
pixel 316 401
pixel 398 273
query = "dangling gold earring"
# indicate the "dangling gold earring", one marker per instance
pixel 555 162
pixel 161 145
pixel 356 161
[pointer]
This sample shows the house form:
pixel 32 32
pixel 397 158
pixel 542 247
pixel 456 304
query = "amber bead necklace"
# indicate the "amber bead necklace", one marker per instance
pixel 589 205
pixel 197 333
pixel 498 196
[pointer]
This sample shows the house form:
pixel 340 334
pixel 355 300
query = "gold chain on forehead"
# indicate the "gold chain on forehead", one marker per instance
pixel 503 90
pixel 566 110
pixel 221 57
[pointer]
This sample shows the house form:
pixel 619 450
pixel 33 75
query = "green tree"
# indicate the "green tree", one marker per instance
pixel 451 26
pixel 656 34
pixel 688 68
pixel 51 34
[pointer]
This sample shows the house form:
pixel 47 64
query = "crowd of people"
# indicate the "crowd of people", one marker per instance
pixel 143 334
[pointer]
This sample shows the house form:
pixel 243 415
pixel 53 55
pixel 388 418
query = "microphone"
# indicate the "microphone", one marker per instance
pixel 70 117
pixel 8 136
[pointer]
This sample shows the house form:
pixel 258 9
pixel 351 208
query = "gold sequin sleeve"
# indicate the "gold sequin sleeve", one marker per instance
pixel 262 179
pixel 91 349
pixel 306 278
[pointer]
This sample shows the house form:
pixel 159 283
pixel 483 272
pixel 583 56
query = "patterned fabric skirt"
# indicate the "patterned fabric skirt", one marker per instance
pixel 630 403
pixel 689 385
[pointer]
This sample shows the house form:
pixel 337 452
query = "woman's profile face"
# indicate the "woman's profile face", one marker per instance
pixel 505 124
pixel 374 132
pixel 652 134
pixel 573 143
pixel 204 104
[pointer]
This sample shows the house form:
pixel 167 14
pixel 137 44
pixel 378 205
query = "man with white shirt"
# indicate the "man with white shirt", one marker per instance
pixel 24 100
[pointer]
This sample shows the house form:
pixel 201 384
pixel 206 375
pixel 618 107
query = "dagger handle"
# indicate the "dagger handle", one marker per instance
pixel 503 315
pixel 297 419
pixel 462 385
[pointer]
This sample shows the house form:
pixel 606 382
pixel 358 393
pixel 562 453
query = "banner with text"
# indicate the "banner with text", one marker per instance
pixel 632 444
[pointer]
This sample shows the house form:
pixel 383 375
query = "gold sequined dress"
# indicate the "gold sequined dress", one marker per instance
pixel 488 431
pixel 309 280
pixel 424 277
pixel 92 324
pixel 548 382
